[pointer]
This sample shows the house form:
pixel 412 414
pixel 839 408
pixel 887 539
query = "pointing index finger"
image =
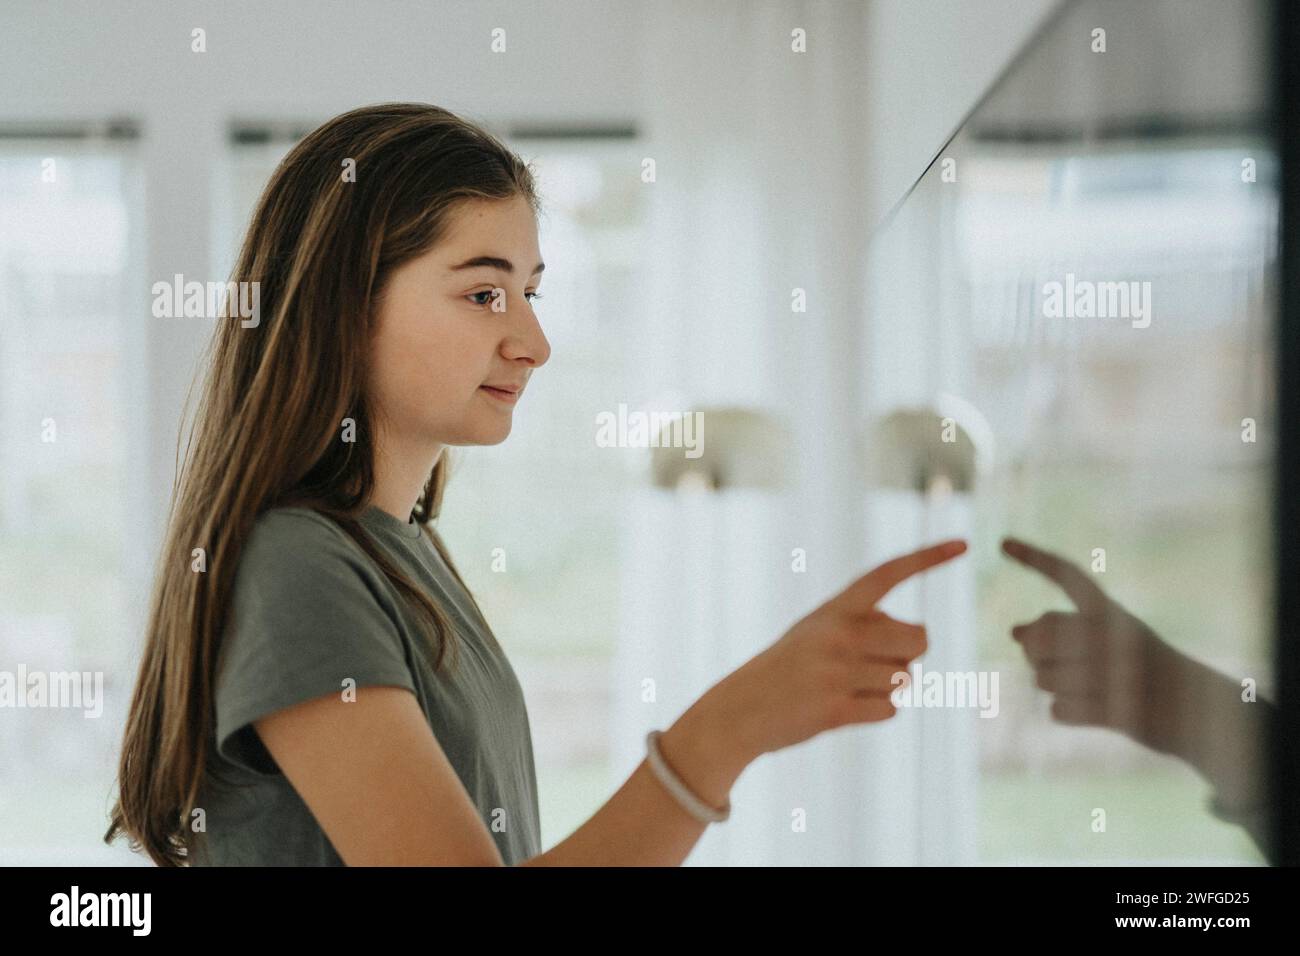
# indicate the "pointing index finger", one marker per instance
pixel 1080 588
pixel 864 593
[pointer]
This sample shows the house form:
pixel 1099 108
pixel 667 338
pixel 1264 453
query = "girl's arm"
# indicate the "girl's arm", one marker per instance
pixel 375 777
pixel 378 782
pixel 642 824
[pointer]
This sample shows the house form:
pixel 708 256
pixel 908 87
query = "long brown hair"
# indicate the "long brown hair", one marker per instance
pixel 321 245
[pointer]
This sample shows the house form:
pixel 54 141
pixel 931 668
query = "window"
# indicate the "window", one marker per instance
pixel 69 357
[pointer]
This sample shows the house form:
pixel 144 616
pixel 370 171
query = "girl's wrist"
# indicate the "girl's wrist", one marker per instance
pixel 704 751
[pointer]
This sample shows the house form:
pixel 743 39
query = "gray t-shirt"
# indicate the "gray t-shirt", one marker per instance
pixel 309 610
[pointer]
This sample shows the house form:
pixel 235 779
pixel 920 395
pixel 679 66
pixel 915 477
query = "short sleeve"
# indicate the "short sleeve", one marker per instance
pixel 306 613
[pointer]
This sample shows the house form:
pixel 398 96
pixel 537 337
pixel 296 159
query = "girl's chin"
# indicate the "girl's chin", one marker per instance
pixel 478 433
pixel 492 434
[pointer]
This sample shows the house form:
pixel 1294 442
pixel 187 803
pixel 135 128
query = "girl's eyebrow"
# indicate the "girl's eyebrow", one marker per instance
pixel 493 262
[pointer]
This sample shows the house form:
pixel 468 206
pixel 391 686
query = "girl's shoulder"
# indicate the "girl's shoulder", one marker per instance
pixel 285 517
pixel 295 536
pixel 297 521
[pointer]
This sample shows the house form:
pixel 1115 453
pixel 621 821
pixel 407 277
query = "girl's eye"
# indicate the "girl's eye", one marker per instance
pixel 473 296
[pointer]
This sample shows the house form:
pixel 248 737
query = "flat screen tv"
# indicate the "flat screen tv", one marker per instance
pixel 1077 308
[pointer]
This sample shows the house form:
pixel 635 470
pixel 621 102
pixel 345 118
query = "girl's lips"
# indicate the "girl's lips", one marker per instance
pixel 500 394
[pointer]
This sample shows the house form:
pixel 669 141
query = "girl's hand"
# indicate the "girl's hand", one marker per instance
pixel 834 667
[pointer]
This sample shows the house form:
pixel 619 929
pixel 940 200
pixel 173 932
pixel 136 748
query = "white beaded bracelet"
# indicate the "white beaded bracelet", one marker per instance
pixel 693 804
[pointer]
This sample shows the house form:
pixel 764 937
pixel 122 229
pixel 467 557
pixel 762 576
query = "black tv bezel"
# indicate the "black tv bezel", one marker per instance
pixel 1285 776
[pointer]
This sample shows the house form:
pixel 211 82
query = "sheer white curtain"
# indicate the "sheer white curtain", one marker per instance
pixel 921 770
pixel 759 190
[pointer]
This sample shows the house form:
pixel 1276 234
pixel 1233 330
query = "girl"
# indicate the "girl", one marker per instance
pixel 318 685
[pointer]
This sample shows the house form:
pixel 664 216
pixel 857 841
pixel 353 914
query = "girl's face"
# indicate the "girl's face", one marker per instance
pixel 439 343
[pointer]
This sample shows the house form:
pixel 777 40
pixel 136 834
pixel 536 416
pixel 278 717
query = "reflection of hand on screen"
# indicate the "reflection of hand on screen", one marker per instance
pixel 1107 668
